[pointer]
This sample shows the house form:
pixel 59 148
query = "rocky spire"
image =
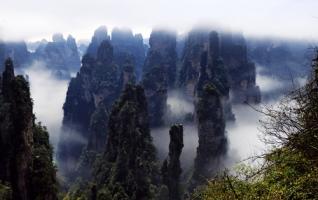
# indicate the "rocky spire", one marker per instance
pixel 99 36
pixel 20 157
pixel 130 155
pixel 202 59
pixel 159 73
pixel 7 76
pixel 16 132
pixel 163 43
pixel 89 98
pixel 241 71
pixel 195 45
pixel 171 169
pixel 211 129
pixel 73 57
pixel 126 45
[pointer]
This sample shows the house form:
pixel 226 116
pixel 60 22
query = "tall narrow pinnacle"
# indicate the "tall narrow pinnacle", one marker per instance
pixel 7 76
pixel 212 140
pixel 8 73
pixel 171 169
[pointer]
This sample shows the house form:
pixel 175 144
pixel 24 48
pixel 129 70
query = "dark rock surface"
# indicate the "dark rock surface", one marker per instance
pixel 99 36
pixel 159 73
pixel 171 168
pixel 129 160
pixel 211 130
pixel 128 47
pixel 91 93
pixel 26 161
pixel 202 58
pixel 242 71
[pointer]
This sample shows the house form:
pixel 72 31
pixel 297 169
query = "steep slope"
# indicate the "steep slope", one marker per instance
pixel 171 168
pixel 90 93
pixel 202 58
pixel 128 47
pixel 159 73
pixel 25 153
pixel 211 130
pixel 128 166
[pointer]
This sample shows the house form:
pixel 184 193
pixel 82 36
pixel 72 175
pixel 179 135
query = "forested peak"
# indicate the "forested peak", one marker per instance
pixel 130 158
pixel 26 156
pixel 132 99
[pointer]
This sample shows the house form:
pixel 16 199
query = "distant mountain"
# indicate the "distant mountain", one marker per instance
pixel 61 56
pixel 17 51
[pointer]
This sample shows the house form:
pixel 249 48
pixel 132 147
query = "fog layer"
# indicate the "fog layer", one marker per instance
pixel 48 94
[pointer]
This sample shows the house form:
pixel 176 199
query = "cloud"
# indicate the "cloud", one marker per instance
pixel 269 84
pixel 244 134
pixel 48 94
pixel 41 18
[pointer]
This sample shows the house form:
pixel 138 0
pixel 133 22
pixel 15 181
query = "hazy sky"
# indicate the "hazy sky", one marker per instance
pixel 34 19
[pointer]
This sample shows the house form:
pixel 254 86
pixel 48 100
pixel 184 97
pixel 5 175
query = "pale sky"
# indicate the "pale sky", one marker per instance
pixel 35 19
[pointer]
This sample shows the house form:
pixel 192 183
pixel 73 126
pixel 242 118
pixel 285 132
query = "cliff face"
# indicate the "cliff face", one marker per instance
pixel 162 52
pixel 234 70
pixel 159 73
pixel 195 45
pixel 129 161
pixel 99 36
pixel 202 59
pixel 171 168
pixel 19 154
pixel 103 75
pixel 211 129
pixel 16 132
pixel 242 72
pixel 128 48
pixel 91 92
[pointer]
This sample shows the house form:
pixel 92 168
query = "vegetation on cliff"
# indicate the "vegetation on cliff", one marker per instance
pixel 26 163
pixel 290 169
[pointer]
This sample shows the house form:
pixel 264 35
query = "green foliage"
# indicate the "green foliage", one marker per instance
pixel 43 181
pixel 290 170
pixel 126 171
pixel 287 175
pixel 26 161
pixel 80 190
pixel 5 192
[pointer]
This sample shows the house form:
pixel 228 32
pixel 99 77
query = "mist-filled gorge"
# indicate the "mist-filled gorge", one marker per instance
pixel 48 94
pixel 157 104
